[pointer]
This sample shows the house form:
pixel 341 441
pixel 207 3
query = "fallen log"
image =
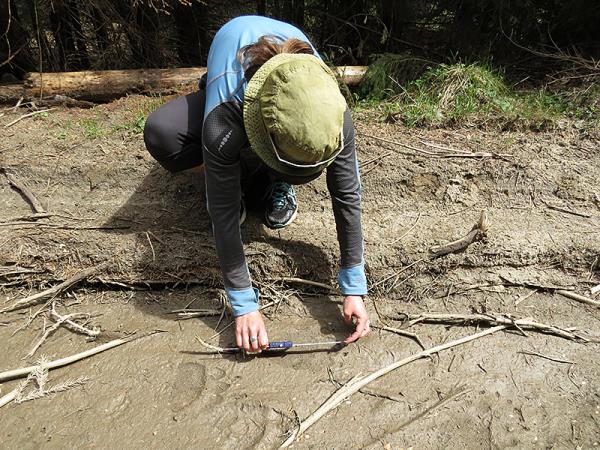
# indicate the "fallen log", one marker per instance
pixel 11 92
pixel 104 85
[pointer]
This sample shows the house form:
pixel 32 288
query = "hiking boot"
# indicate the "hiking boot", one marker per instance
pixel 281 206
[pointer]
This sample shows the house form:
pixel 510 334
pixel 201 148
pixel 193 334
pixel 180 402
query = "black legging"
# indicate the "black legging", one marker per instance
pixel 173 133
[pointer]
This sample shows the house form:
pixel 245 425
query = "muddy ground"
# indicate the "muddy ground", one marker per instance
pixel 115 204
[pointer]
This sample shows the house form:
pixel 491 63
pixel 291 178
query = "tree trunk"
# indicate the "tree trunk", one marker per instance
pixel 261 7
pixel 190 22
pixel 15 54
pixel 394 14
pixel 68 34
pixel 109 84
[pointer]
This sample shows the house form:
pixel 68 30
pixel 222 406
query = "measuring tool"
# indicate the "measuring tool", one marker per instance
pixel 281 346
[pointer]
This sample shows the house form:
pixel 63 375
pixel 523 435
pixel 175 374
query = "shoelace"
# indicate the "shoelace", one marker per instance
pixel 280 191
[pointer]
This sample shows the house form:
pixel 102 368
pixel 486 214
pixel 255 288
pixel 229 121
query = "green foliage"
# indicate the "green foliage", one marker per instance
pixel 64 132
pixel 136 120
pixel 91 128
pixel 387 72
pixel 472 95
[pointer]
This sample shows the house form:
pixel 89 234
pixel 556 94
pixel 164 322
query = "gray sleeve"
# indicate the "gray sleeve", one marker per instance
pixel 223 138
pixel 343 182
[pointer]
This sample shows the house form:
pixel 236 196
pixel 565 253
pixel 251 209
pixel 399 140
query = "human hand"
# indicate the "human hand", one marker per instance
pixel 354 311
pixel 250 332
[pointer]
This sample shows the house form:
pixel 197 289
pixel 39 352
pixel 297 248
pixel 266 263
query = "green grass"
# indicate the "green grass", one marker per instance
pixel 136 119
pixel 388 73
pixel 91 128
pixel 470 95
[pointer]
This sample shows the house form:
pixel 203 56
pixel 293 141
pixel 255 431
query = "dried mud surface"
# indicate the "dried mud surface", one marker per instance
pixel 115 205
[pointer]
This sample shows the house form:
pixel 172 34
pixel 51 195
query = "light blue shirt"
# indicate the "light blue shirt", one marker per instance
pixel 225 78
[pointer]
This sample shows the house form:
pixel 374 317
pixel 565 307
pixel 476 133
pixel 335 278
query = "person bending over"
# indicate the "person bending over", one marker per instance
pixel 267 107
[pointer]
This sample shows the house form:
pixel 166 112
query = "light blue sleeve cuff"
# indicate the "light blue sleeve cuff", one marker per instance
pixel 352 280
pixel 243 301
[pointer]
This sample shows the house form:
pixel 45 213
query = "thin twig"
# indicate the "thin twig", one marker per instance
pixel 579 298
pixel 47 332
pixel 184 315
pixel 439 154
pixel 213 348
pixel 408 231
pixel 25 116
pixel 567 211
pixel 303 281
pixel 376 159
pixel 38 298
pixel 151 246
pixel 23 372
pixel 23 189
pixel 452 395
pixel 6 399
pixel 477 233
pixel 492 320
pixel 525 297
pixel 413 336
pixel 564 361
pixel 357 382
pixel 71 325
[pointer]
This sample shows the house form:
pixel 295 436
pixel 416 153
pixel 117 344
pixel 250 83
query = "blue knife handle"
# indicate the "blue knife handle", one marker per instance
pixel 283 345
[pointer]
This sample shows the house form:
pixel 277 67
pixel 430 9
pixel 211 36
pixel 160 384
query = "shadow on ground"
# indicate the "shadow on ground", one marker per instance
pixel 175 250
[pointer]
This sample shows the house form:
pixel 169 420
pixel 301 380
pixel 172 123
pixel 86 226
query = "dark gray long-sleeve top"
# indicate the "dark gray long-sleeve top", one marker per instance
pixel 224 141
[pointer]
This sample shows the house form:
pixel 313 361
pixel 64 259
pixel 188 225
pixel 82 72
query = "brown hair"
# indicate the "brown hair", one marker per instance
pixel 255 55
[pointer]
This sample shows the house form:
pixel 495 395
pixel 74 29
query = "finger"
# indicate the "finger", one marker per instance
pixel 238 337
pixel 254 339
pixel 352 338
pixel 361 324
pixel 245 340
pixel 263 339
pixel 347 318
pixel 367 329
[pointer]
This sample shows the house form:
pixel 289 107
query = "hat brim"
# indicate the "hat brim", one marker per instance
pixel 257 133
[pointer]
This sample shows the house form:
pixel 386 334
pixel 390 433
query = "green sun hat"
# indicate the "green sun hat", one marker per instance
pixel 294 114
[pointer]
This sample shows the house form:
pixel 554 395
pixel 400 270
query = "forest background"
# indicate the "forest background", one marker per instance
pixel 437 61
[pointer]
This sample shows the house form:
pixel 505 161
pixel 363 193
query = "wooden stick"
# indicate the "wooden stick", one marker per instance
pixel 214 348
pixel 376 159
pixel 72 325
pixel 303 281
pixel 452 395
pixel 47 332
pixel 38 298
pixel 579 298
pixel 477 233
pixel 550 358
pixel 413 336
pixel 23 372
pixel 5 400
pixel 359 382
pixel 408 231
pixel 197 313
pixel 23 189
pixel 494 320
pixel 567 211
pixel 438 154
pixel 25 116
